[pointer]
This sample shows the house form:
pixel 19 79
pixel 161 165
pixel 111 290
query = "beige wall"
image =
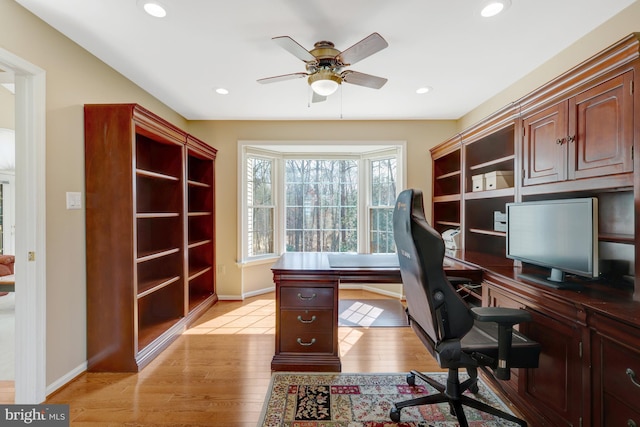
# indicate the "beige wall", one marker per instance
pixel 75 77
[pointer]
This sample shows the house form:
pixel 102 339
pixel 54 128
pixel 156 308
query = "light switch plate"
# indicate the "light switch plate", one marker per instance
pixel 74 200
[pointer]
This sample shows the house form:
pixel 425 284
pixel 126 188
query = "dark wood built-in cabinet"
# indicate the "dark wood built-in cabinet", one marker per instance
pixel 587 135
pixel 573 137
pixel 150 234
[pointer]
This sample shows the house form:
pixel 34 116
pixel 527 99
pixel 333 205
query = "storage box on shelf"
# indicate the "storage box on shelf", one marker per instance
pixel 498 179
pixel 140 291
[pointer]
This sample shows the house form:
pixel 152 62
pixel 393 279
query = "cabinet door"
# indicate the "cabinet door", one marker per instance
pixel 555 387
pixel 601 129
pixel 544 146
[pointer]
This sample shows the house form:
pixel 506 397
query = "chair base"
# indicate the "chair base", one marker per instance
pixel 452 393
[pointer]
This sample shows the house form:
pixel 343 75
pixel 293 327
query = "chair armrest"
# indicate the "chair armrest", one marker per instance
pixel 500 315
pixel 505 318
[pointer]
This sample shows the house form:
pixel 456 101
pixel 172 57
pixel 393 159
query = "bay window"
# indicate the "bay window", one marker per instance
pixel 318 198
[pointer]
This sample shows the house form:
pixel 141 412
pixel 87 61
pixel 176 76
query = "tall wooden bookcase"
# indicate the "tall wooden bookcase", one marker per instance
pixel 150 234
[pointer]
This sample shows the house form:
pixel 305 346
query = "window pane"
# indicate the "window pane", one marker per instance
pixel 321 205
pixel 260 231
pixel 383 197
pixel 383 182
pixel 260 212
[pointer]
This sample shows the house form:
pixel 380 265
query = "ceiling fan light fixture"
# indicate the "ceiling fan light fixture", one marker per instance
pixel 493 7
pixel 324 82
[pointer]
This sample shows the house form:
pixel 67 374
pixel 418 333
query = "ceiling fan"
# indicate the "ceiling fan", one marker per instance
pixel 324 64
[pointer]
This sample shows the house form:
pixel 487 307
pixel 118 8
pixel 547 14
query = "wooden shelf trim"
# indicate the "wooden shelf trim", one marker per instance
pixel 202 213
pixel 487 232
pixel 487 194
pixel 199 184
pixel 200 272
pixel 156 255
pixel 449 175
pixel 617 238
pixel 451 223
pixel 446 198
pixel 199 243
pixel 151 215
pixel 157 175
pixel 492 162
pixel 157 287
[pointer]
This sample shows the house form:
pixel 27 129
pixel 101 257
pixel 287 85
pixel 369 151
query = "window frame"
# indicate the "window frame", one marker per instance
pixel 280 151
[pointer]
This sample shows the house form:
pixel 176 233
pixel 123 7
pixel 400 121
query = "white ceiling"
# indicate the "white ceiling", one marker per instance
pixel 205 44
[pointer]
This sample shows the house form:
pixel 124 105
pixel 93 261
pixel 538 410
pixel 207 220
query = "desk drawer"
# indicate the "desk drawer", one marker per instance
pixel 306 297
pixel 619 414
pixel 299 341
pixel 307 320
pixel 617 360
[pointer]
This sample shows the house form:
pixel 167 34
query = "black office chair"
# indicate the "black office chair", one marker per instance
pixel 456 335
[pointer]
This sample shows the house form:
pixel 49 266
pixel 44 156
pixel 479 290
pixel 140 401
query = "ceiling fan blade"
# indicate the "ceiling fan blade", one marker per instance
pixel 282 78
pixel 317 98
pixel 362 79
pixel 293 47
pixel 364 48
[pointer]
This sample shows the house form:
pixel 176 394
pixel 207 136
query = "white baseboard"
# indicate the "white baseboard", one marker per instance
pixel 66 379
pixel 246 295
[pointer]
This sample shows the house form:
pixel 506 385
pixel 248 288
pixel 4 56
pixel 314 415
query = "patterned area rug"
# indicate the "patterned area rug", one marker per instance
pixel 362 400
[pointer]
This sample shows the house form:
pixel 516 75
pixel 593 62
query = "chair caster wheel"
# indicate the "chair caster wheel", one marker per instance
pixel 411 379
pixel 394 414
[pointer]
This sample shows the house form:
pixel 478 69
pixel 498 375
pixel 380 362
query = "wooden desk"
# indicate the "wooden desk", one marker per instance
pixel 307 302
pixel 8 283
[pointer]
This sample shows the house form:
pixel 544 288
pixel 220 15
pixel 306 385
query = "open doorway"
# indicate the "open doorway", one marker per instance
pixel 7 244
pixel 28 188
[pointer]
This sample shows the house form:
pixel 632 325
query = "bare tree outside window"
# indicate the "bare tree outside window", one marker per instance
pixel 383 197
pixel 321 208
pixel 260 206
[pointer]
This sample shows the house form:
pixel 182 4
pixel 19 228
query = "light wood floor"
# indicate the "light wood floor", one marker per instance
pixel 217 373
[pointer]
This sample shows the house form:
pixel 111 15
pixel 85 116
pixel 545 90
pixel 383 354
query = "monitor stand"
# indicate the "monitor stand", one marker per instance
pixel 556 280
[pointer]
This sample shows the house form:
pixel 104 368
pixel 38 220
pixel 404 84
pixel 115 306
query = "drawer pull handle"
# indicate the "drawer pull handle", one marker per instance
pixel 300 297
pixel 301 320
pixel 632 377
pixel 631 423
pixel 312 342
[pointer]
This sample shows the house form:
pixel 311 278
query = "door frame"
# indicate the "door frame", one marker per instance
pixel 30 266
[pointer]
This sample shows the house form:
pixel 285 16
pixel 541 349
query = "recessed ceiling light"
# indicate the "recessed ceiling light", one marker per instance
pixel 493 7
pixel 222 91
pixel 424 89
pixel 153 8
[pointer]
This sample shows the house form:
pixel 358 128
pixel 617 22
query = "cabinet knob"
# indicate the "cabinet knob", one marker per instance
pixel 303 298
pixel 632 377
pixel 560 141
pixel 301 320
pixel 571 138
pixel 312 342
pixel 631 423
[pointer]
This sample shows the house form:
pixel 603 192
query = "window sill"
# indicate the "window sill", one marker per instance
pixel 267 259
